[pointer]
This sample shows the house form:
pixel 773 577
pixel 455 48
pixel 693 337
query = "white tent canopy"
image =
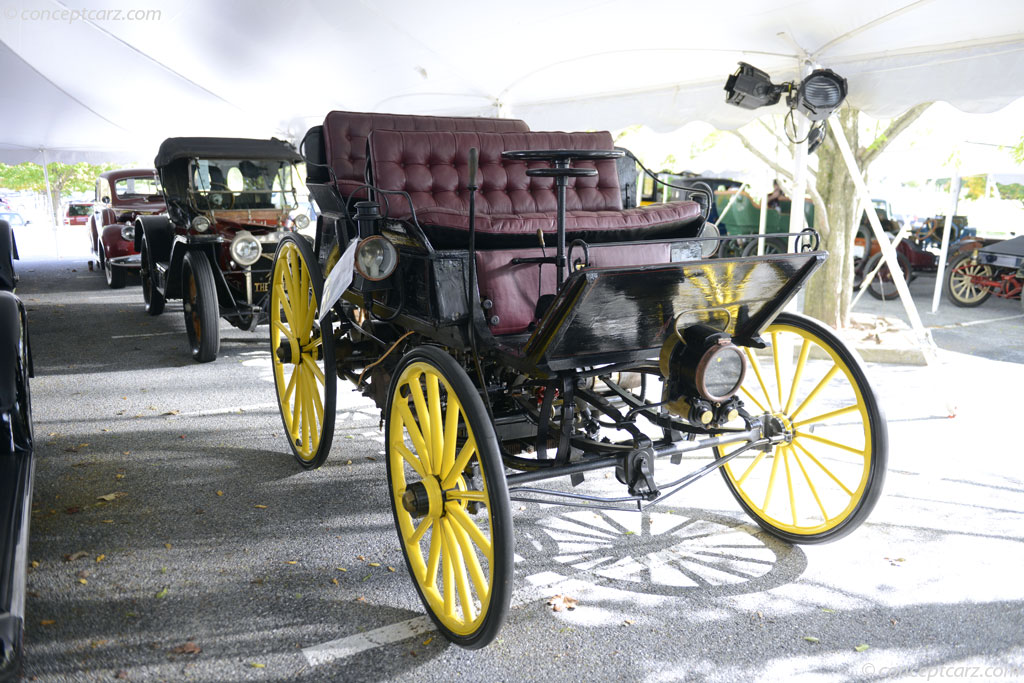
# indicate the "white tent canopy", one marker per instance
pixel 106 86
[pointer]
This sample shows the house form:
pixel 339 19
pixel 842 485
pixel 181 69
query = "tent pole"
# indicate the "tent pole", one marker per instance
pixel 924 337
pixel 954 191
pixel 50 209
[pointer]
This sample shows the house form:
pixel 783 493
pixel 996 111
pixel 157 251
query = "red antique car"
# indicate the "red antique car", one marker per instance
pixel 121 197
pixel 77 213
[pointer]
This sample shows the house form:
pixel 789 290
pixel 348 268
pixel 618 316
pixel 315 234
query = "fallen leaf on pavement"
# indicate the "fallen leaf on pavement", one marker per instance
pixel 628 622
pixel 189 648
pixel 810 639
pixel 162 593
pixel 562 602
pixel 862 647
pixel 375 564
pixel 82 581
pixel 291 561
pixel 167 545
pixel 75 556
pixel 84 574
pixel 100 558
pixel 334 581
pixel 261 507
pixel 172 412
pixel 122 674
pixel 257 665
pixel 47 622
pixel 73 510
pixel 220 493
pixel 110 496
pixel 341 569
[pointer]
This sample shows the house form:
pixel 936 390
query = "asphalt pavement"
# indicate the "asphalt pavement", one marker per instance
pixel 174 537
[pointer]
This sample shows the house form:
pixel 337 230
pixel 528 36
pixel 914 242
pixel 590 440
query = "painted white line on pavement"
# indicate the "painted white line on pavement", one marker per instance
pixel 539 586
pixel 148 334
pixel 975 322
pixel 224 411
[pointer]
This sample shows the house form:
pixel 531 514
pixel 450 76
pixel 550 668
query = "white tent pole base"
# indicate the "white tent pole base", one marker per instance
pixel 924 337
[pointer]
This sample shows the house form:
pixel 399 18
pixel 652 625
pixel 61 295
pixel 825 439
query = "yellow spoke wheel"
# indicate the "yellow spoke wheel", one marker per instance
pixel 825 479
pixel 302 354
pixel 449 496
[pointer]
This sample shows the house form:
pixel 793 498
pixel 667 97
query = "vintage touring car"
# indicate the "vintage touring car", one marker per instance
pixel 483 284
pixel 229 202
pixel 121 197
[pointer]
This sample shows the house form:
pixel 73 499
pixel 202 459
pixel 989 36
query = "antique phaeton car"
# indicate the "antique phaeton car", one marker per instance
pixel 16 460
pixel 228 204
pixel 485 287
pixel 121 197
pixel 998 268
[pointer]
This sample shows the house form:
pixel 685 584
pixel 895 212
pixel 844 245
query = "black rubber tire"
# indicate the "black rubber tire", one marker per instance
pixel 882 285
pixel 858 507
pixel 488 459
pixel 199 301
pixel 155 301
pixel 771 246
pixel 115 276
pixel 324 426
pixel 957 283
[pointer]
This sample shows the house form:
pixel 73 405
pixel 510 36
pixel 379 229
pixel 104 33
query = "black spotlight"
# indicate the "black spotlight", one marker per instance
pixel 751 88
pixel 820 94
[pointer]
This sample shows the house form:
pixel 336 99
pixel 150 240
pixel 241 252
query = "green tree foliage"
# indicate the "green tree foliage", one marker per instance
pixel 1011 191
pixel 975 186
pixel 64 178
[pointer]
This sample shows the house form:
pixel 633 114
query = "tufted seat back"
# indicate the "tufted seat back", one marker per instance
pixel 345 134
pixel 511 207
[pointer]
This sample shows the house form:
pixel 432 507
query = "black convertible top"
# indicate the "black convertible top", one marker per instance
pixel 1010 247
pixel 173 149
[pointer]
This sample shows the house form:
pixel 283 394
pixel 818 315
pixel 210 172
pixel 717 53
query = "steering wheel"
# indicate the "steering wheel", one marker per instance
pixel 219 194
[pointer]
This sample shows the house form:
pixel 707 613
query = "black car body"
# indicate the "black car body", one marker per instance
pixel 16 460
pixel 229 202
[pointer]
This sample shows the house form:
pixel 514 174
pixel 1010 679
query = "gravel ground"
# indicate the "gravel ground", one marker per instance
pixel 174 537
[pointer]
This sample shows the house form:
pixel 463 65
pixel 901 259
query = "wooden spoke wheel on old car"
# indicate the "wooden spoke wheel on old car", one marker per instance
pixel 965 281
pixel 449 496
pixel 883 285
pixel 824 477
pixel 302 356
pixel 199 301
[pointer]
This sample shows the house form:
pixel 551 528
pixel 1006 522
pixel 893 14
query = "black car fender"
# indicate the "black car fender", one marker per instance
pixel 8 252
pixel 12 320
pixel 158 232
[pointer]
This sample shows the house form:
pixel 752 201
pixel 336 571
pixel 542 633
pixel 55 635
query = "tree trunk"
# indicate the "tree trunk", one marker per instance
pixel 827 296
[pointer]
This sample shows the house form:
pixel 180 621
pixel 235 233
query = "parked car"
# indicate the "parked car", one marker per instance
pixel 16 460
pixel 228 202
pixel 13 218
pixel 77 213
pixel 121 197
pixel 996 268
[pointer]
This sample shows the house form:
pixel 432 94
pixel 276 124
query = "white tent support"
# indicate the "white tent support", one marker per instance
pixel 762 220
pixel 51 211
pixel 878 266
pixel 732 200
pixel 940 274
pixel 888 252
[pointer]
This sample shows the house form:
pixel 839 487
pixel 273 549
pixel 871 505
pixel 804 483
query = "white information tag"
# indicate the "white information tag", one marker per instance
pixel 339 279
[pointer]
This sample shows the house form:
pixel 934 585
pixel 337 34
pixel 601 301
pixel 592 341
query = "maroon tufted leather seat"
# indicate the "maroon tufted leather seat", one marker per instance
pixel 511 206
pixel 345 135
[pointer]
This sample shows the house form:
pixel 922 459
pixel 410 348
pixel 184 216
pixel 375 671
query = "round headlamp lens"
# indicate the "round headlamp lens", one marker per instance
pixel 376 258
pixel 708 247
pixel 200 223
pixel 301 221
pixel 128 233
pixel 720 372
pixel 246 249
